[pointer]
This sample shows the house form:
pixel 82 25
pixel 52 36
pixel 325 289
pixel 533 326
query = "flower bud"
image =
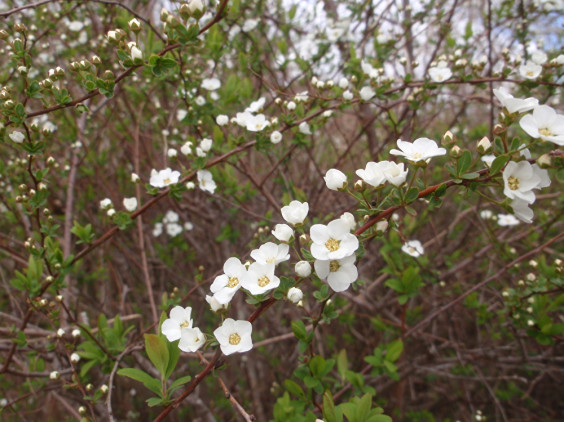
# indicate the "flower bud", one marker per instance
pixel 499 129
pixel 60 333
pixel 82 410
pixel 108 75
pixel 113 37
pixel 75 333
pixel 455 151
pixel 359 186
pixel 103 388
pixel 295 295
pixel 196 8
pixel 335 179
pixel 136 55
pixel 382 226
pixel 544 161
pixel 75 358
pixel 304 238
pixel 283 233
pixel 164 14
pixel 484 145
pixel 96 60
pixel 89 387
pixel 303 269
pixel 17 44
pixel 55 375
pixel 134 25
pixel 4 34
pixel 448 138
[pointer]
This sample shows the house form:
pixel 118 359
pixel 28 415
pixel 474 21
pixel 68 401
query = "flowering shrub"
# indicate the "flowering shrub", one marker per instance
pixel 281 210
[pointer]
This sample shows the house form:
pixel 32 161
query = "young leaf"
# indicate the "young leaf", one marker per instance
pixel 157 351
pixel 148 381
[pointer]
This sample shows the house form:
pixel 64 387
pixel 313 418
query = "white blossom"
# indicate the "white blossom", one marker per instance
pixel 211 84
pixel 332 241
pixel 205 181
pixel 339 273
pixel 544 123
pixel 234 336
pixel 295 212
pixel 335 179
pixel 418 150
pixel 271 253
pixel 260 278
pixel 283 232
pixel 413 248
pixel 515 105
pixel 530 70
pixel 226 285
pixel 130 204
pixel 164 178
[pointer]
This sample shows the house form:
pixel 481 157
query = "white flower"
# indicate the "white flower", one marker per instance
pixel 211 84
pixel 179 318
pixel 256 123
pixel 256 106
pixel 413 248
pixel 260 278
pixel 173 229
pixel 186 149
pixel 164 178
pixel 295 294
pixel 226 285
pixel 171 217
pixel 295 213
pixel 393 172
pixel 191 339
pixel 234 336
pixel 333 241
pixel 54 375
pixel 172 153
pixel 522 210
pixel 158 229
pixel 515 105
pixel 60 332
pixel 135 177
pixel 530 70
pixel 519 179
pixel 75 333
pixel 382 225
pixel 249 25
pixel 75 26
pixel 130 204
pixel 181 114
pixel 539 57
pixel 271 253
pixel 335 179
pixel 200 100
pixel 214 304
pixel 188 226
pixel 222 120
pixel 507 220
pixel 347 95
pixel 283 232
pixel 242 118
pixel 369 70
pixel 373 174
pixel 205 181
pixel 111 212
pixel 545 124
pixel 105 203
pixel 366 93
pixel 136 54
pixel 488 160
pixel 440 73
pixel 291 105
pixel 486 214
pixel 74 357
pixel 206 144
pixel 301 96
pixel 275 137
pixel 420 149
pixel 348 218
pixel 17 137
pixel 304 128
pixel 303 269
pixel 343 83
pixel 340 273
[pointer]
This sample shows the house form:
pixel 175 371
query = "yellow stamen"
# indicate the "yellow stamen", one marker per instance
pixel 263 281
pixel 232 282
pixel 234 339
pixel 513 183
pixel 334 266
pixel 332 245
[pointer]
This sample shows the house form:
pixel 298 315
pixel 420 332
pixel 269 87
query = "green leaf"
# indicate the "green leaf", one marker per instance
pixel 464 162
pixel 330 412
pixel 498 164
pixel 179 383
pixel 154 401
pixel 411 195
pixel 394 350
pixel 157 351
pixel 148 381
pixel 164 67
pixel 342 364
pixel 470 176
pixel 294 388
pixel 299 329
pixel 363 407
pixel 317 365
pixel 174 354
